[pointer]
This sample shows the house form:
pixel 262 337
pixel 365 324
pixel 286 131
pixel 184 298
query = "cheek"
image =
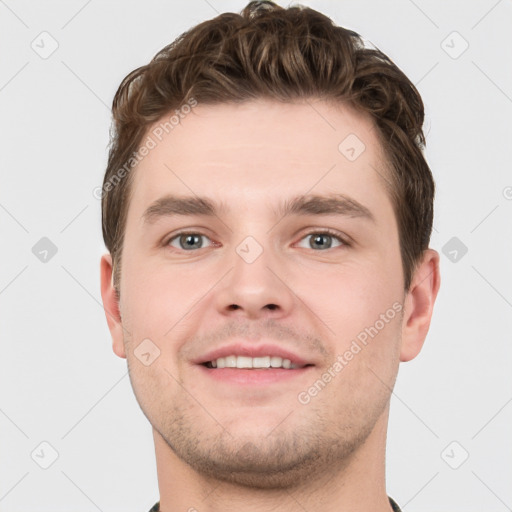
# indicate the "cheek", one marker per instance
pixel 368 345
pixel 160 304
pixel 155 297
pixel 149 314
pixel 362 311
pixel 350 298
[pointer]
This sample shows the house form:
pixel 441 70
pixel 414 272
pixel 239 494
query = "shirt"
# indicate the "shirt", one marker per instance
pixel 394 506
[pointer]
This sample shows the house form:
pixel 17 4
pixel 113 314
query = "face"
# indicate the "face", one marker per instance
pixel 293 260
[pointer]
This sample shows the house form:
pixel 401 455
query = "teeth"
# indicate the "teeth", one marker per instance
pixel 261 362
pixel 276 362
pixel 243 362
pixel 252 362
pixel 230 361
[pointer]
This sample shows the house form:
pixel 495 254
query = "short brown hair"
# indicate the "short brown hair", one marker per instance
pixel 271 52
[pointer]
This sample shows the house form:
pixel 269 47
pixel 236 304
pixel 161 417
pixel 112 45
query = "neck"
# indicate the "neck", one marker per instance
pixel 357 485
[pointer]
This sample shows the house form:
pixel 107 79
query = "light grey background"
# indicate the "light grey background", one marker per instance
pixel 60 382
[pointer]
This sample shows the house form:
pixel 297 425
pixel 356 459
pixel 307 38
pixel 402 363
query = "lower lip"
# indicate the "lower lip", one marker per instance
pixel 253 376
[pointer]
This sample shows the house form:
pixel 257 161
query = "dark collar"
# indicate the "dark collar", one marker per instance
pixel 394 506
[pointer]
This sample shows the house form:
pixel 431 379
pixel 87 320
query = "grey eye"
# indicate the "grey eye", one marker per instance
pixel 321 241
pixel 187 241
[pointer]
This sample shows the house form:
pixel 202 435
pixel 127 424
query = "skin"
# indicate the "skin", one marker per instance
pixel 218 446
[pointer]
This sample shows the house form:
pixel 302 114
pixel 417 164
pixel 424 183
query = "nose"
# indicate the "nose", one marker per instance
pixel 256 289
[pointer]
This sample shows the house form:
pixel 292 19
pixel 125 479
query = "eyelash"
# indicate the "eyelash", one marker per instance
pixel 325 231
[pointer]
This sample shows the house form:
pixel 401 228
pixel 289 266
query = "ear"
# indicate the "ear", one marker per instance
pixel 419 305
pixel 111 306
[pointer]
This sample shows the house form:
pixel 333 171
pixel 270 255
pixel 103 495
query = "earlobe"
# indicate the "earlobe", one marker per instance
pixel 419 305
pixel 111 305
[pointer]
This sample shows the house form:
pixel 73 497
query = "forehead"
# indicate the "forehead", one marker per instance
pixel 253 153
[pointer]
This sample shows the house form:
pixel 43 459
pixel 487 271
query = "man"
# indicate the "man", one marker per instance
pixel 267 210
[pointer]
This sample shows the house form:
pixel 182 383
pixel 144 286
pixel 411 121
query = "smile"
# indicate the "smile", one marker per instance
pixel 248 363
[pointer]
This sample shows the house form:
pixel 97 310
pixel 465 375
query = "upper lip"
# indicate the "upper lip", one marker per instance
pixel 252 350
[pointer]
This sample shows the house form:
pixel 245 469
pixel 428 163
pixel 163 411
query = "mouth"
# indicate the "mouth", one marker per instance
pixel 246 365
pixel 254 363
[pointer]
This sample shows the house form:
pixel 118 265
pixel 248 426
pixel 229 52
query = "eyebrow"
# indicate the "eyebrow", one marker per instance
pixel 333 204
